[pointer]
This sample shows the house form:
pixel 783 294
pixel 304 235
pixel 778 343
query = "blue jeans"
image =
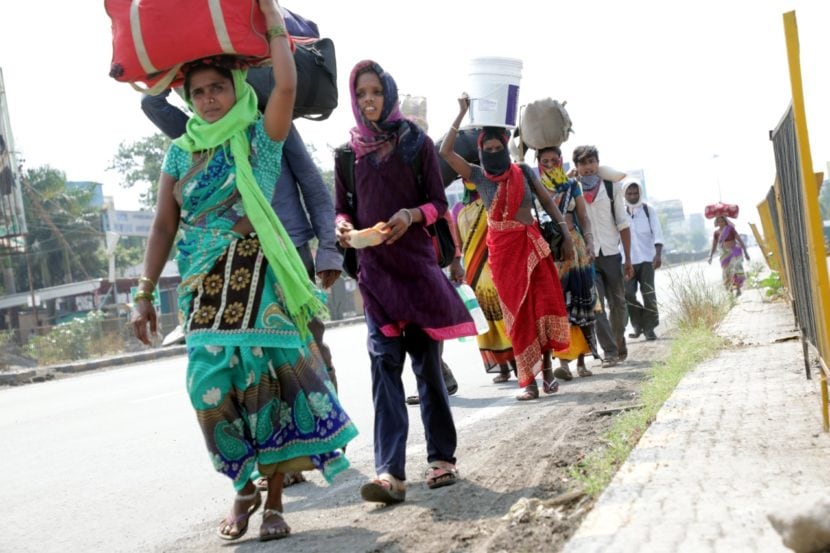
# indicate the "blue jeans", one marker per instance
pixel 387 356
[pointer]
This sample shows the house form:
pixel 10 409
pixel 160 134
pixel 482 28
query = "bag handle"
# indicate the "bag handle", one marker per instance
pixel 162 84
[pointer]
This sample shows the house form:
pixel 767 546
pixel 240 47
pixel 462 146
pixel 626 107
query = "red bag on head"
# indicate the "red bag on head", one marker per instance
pixel 152 38
pixel 721 210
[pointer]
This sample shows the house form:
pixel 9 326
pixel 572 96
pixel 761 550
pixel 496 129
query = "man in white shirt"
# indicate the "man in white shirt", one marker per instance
pixel 646 250
pixel 609 222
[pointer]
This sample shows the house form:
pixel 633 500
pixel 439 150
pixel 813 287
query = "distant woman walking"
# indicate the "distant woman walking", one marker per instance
pixel 732 254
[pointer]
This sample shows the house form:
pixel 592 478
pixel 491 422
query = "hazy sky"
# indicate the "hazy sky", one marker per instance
pixel 659 85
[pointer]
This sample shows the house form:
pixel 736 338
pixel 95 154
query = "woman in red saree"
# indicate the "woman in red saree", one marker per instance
pixel 522 267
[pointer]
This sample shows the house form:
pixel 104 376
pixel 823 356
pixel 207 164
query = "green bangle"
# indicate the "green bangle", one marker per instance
pixel 275 31
pixel 142 295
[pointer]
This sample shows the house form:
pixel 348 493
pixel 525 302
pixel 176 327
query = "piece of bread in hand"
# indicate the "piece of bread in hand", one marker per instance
pixel 368 237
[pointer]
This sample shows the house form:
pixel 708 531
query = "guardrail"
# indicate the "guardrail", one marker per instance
pixel 793 240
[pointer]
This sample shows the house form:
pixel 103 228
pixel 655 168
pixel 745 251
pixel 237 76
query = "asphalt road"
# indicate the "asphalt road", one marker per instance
pixel 114 460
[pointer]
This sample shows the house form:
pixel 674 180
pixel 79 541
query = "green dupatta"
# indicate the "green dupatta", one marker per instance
pixel 302 299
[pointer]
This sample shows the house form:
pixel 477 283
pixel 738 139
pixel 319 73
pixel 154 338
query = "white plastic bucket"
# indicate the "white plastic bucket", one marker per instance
pixel 494 92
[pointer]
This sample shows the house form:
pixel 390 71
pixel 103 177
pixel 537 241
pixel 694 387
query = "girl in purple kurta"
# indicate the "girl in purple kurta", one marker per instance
pixel 410 305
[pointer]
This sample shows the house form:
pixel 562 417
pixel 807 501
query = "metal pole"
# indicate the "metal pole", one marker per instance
pixel 31 287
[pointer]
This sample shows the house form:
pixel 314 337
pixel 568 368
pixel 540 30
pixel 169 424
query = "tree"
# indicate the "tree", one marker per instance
pixel 140 163
pixel 65 242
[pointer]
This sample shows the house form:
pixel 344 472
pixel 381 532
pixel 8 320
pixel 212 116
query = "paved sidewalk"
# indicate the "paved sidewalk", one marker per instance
pixel 739 437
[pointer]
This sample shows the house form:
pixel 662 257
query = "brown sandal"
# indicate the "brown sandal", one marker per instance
pixel 440 474
pixel 384 489
pixel 530 393
pixel 501 378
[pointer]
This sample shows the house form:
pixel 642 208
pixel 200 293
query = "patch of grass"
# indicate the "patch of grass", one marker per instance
pixel 692 346
pixel 694 302
pixel 696 307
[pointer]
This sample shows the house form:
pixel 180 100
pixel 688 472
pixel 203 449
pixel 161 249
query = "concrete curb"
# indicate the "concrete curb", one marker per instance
pixel 17 377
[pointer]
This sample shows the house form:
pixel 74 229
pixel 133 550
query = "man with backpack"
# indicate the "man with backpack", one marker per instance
pixel 610 225
pixel 646 250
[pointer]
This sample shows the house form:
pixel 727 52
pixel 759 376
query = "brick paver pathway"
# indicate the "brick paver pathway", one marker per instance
pixel 740 435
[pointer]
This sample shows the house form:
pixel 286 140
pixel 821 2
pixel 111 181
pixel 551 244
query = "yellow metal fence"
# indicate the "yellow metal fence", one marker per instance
pixel 793 240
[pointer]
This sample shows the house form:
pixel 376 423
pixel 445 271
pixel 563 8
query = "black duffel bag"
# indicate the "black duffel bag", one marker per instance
pixel 466 145
pixel 316 80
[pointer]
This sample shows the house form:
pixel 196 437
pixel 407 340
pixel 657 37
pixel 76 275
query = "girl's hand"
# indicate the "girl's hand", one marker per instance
pixel 397 225
pixel 341 232
pixel 463 103
pixel 144 314
pixel 457 271
pixel 568 251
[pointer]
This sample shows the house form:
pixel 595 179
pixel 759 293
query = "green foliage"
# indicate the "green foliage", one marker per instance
pixel 6 337
pixel 140 163
pixel 129 252
pixel 80 338
pixel 65 242
pixel 772 285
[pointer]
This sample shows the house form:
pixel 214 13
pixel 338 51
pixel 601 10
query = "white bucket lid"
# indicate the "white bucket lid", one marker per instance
pixel 496 65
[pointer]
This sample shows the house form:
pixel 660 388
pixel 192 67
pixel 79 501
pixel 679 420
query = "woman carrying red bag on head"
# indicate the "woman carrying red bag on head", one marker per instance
pixel 732 253
pixel 255 376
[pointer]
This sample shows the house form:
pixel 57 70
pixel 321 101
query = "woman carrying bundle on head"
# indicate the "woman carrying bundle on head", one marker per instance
pixel 576 274
pixel 255 376
pixel 732 253
pixel 523 270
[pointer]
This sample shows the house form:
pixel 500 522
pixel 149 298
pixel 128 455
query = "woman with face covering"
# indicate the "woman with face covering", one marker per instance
pixel 409 304
pixel 576 275
pixel 520 259
pixel 254 376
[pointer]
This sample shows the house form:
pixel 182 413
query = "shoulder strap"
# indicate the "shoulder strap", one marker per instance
pixel 609 189
pixel 344 160
pixel 529 176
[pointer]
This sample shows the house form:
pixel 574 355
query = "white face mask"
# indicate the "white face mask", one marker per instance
pixel 589 181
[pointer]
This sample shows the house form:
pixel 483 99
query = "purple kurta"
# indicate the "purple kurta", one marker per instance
pixel 403 283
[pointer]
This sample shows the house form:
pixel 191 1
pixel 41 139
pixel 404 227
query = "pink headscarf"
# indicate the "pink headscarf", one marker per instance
pixel 391 129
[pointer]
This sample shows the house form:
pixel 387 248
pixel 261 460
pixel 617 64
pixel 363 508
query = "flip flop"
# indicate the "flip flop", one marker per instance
pixel 440 474
pixel 550 387
pixel 382 490
pixel 501 378
pixel 242 517
pixel 530 393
